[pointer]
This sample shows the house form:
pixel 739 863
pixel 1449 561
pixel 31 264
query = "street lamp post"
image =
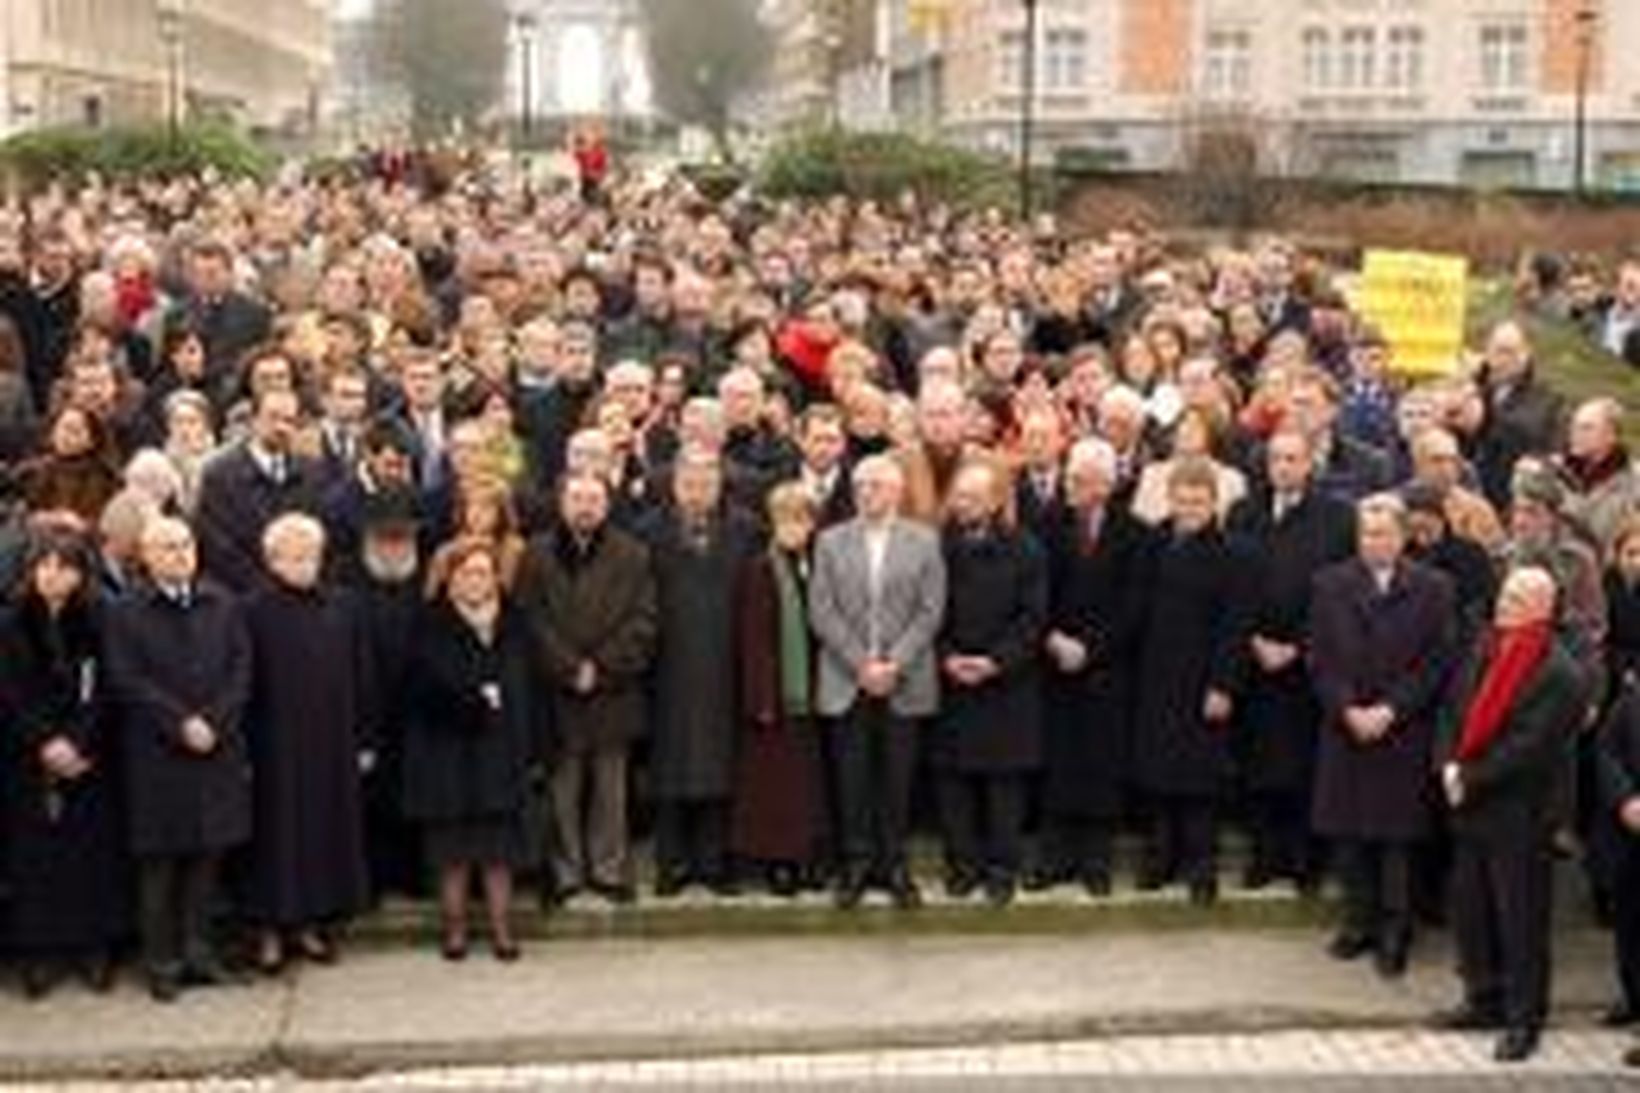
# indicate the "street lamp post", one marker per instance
pixel 1027 109
pixel 524 26
pixel 1587 18
pixel 170 14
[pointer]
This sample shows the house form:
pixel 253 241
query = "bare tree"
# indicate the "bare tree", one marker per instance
pixel 703 56
pixel 448 56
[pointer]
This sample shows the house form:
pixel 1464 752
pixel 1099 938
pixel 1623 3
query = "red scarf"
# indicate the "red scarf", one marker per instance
pixel 1512 656
pixel 134 297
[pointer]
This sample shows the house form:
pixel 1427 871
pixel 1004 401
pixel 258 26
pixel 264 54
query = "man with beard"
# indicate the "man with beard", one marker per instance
pixel 988 737
pixel 588 594
pixel 386 581
pixel 1382 635
pixel 180 669
pixel 698 546
pixel 386 464
pixel 1287 532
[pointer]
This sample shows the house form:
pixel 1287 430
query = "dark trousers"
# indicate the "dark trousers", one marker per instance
pixel 1501 910
pixel 1280 827
pixel 876 756
pixel 1075 846
pixel 1183 839
pixel 174 895
pixel 1626 915
pixel 690 837
pixel 589 820
pixel 983 818
pixel 1377 881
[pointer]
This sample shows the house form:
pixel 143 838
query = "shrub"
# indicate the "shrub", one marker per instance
pixel 71 153
pixel 881 167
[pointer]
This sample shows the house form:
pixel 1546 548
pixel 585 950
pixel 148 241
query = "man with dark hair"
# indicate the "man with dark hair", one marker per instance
pixel 229 321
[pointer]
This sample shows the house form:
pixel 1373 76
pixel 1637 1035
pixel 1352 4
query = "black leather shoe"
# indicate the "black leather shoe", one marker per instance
pixel 1631 1058
pixel 1391 958
pixel 621 895
pixel 1044 877
pixel 1349 945
pixel 1468 1018
pixel 1151 878
pixel 851 889
pixel 507 952
pixel 38 980
pixel 164 987
pixel 999 892
pixel 1258 877
pixel 208 972
pixel 1517 1045
pixel 904 891
pixel 453 949
pixel 960 882
pixel 1204 893
pixel 1096 883
pixel 1621 1015
pixel 669 883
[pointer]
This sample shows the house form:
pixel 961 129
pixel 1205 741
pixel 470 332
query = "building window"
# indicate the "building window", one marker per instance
pixel 1404 59
pixel 1503 56
pixel 1011 60
pixel 1357 58
pixel 1229 64
pixel 1317 59
pixel 1065 60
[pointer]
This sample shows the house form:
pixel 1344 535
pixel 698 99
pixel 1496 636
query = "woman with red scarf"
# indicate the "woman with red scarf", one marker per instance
pixel 1500 756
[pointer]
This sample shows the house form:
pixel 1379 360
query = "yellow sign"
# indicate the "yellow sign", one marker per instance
pixel 1420 302
pixel 927 17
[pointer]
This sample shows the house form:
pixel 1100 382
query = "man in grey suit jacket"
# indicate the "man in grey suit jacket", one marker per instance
pixel 876 601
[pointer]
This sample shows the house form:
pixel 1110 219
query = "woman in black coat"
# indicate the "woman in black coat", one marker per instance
pixel 470 744
pixel 306 730
pixel 1190 655
pixel 61 812
pixel 1094 552
pixel 988 737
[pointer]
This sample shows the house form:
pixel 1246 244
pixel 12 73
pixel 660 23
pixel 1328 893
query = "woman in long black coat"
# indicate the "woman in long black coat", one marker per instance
pixel 988 737
pixel 1093 557
pixel 306 731
pixel 779 811
pixel 471 741
pixel 63 855
pixel 1190 660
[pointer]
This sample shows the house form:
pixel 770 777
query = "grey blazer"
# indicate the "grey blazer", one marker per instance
pixel 911 604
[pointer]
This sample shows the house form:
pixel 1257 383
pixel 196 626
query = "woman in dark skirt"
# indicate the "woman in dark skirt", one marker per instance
pixel 62 848
pixel 470 743
pixel 778 814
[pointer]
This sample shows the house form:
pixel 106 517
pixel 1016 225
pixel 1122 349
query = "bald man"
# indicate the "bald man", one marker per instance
pixel 1499 755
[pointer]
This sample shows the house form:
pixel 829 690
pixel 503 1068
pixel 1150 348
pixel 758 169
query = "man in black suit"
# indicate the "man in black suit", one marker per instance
pixel 1523 415
pixel 1615 324
pixel 825 472
pixel 1345 469
pixel 246 487
pixel 1500 754
pixel 229 321
pixel 1039 499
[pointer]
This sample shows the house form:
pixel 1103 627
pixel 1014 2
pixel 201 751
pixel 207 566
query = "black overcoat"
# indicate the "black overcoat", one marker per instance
pixel 236 504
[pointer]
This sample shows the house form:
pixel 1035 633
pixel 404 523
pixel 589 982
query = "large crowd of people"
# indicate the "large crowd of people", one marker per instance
pixel 394 533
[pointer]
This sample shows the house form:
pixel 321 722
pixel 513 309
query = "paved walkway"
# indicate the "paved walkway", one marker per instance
pixel 399 1009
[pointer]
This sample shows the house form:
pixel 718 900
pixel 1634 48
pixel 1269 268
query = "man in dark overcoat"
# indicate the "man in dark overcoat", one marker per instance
pixel 1517 706
pixel 1286 531
pixel 1382 637
pixel 589 596
pixel 180 669
pixel 987 739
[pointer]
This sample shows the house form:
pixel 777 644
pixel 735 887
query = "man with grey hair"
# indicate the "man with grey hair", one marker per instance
pixel 1382 642
pixel 1604 486
pixel 876 601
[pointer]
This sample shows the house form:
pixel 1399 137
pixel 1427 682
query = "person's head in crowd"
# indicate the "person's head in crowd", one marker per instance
pixel 57 573
pixel 1537 498
pixel 740 393
pixel 54 262
pixel 422 380
pixel 1201 387
pixel 821 438
pixel 1087 378
pixel 94 385
pixel 1437 461
pixel 1625 550
pixel 1417 410
pixel 1001 357
pixel 345 398
pixel 1090 474
pixel 609 417
pixel 631 385
pixel 1626 291
pixel 1122 417
pixel 1245 329
pixel 346 341
pixel 582 296
pixel 1427 523
pixel 341 291
pixel 73 434
pixel 472 582
pixel 188 429
pixel 293 549
pixel 1137 364
pixel 99 301
pixel 1041 439
pixel 940 364
pixel 879 485
pixel 1314 403
pixel 1169 344
pixel 1289 460
pixel 791 518
pixel 389 543
pixel 120 524
pixel 276 416
pixel 13 355
pixel 1195 435
pixel 182 353
pixel 1527 598
pixel 1193 495
pixel 691 298
pixel 701 425
pixel 211 270
pixel 1463 406
pixel 168 552
pixel 942 417
pixel 1102 268
pixel 1595 435
pixel 583 503
pixel 1380 531
pixel 975 497
pixel 152 472
pixel 751 346
pixel 651 284
pixel 589 451
pixel 387 453
pixel 697 484
pixel 484 508
pixel 471 450
pixel 1508 356
pixel 1369 354
pixel 1275 268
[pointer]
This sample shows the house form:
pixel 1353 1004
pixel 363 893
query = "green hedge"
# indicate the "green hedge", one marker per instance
pixel 42 155
pixel 882 166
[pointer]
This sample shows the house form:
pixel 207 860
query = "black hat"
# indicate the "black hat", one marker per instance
pixel 395 507
pixel 1425 498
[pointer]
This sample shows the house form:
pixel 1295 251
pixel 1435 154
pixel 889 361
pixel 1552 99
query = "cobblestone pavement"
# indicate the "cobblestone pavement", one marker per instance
pixel 1571 1061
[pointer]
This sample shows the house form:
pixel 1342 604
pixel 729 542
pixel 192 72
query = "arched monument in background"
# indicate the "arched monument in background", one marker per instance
pixel 586 58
